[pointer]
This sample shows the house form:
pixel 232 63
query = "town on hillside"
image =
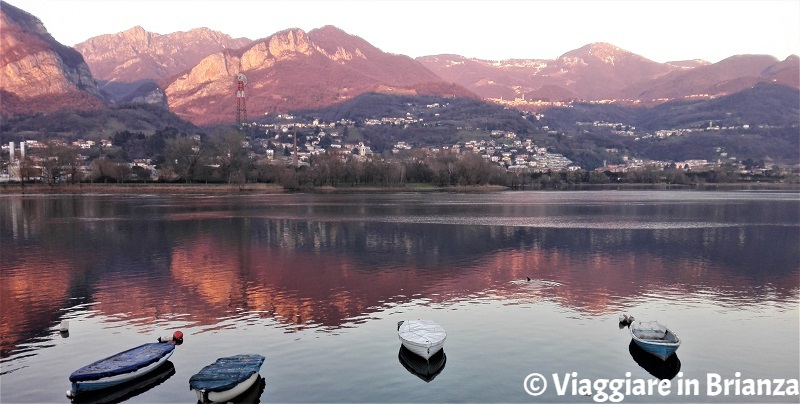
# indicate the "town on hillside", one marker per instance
pixel 291 141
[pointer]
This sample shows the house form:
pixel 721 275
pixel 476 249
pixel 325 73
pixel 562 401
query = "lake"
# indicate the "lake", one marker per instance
pixel 317 284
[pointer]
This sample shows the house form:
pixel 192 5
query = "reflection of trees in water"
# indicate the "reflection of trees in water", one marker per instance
pixel 749 250
pixel 334 263
pixel 135 227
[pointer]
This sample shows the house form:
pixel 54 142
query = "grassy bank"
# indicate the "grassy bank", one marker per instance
pixel 223 189
pixel 243 189
pixel 140 189
pixel 412 187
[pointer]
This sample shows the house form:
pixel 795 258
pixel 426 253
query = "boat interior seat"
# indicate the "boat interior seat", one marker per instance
pixel 651 334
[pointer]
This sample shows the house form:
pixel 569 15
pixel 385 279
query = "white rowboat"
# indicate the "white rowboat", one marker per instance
pixel 422 337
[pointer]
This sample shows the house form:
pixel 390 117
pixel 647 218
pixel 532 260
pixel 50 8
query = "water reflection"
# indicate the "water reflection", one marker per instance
pixel 253 394
pixel 128 390
pixel 326 262
pixel 426 370
pixel 661 369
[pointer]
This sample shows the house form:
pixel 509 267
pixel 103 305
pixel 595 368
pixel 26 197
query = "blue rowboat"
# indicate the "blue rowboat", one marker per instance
pixel 126 391
pixel 655 338
pixel 120 368
pixel 227 378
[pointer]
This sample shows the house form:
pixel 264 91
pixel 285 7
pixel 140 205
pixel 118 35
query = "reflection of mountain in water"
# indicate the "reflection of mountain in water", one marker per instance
pixel 426 370
pixel 662 369
pixel 308 260
pixel 128 390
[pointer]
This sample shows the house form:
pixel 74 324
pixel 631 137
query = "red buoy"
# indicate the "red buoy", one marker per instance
pixel 177 336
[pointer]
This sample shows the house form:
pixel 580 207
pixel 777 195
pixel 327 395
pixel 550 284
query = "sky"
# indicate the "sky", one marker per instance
pixel 661 31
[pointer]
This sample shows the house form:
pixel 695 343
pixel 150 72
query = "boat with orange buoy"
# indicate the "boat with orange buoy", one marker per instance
pixel 123 366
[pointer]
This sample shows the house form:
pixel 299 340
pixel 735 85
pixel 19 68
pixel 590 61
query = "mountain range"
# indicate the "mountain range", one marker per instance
pixel 602 71
pixel 194 73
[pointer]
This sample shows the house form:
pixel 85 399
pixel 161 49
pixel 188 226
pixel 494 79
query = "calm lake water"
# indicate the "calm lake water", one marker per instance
pixel 317 284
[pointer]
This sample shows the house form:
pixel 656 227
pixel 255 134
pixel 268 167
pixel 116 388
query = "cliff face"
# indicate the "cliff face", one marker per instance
pixel 293 70
pixel 125 60
pixel 37 73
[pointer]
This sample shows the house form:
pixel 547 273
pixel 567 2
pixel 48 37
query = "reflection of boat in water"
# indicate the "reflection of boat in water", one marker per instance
pixel 253 394
pixel 120 367
pixel 426 370
pixel 227 378
pixel 655 338
pixel 125 391
pixel 662 369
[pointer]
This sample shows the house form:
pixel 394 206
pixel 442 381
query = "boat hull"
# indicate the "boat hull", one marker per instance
pixel 120 368
pixel 423 350
pixel 662 351
pixel 226 395
pixel 226 378
pixel 125 391
pixel 422 337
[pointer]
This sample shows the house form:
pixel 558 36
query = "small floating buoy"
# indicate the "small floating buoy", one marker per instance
pixel 70 394
pixel 64 326
pixel 176 338
pixel 528 278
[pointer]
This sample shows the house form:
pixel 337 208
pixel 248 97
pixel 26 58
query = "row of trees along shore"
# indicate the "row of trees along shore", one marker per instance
pixel 222 159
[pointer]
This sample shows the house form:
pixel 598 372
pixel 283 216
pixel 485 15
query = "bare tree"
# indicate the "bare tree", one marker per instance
pixel 27 170
pixel 230 154
pixel 103 169
pixel 185 154
pixel 68 157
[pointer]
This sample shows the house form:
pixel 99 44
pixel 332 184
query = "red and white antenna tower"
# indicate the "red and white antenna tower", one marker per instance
pixel 241 103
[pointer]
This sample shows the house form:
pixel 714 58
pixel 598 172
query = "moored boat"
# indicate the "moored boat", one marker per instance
pixel 120 367
pixel 422 337
pixel 125 391
pixel 226 378
pixel 655 338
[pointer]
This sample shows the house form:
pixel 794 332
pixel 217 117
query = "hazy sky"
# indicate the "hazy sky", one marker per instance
pixel 659 30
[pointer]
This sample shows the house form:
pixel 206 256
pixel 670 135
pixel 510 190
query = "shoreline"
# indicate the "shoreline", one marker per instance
pixel 139 189
pixel 255 189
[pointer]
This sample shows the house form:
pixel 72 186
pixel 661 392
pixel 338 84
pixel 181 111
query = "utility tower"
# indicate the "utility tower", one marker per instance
pixel 241 102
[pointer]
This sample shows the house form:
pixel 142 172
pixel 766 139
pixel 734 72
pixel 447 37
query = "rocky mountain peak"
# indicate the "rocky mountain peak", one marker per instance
pixel 23 20
pixel 600 51
pixel 125 60
pixel 136 35
pixel 284 43
pixel 37 72
pixel 340 46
